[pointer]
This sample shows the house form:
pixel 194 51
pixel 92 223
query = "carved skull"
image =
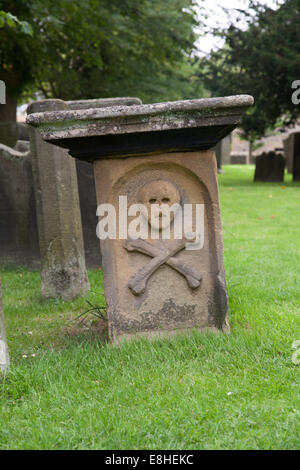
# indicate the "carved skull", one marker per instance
pixel 158 196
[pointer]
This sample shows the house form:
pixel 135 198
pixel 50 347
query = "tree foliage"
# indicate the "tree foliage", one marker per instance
pixel 12 21
pixel 83 49
pixel 262 60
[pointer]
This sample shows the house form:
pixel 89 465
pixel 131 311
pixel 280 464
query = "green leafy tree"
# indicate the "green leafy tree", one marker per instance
pixel 83 49
pixel 12 33
pixel 262 60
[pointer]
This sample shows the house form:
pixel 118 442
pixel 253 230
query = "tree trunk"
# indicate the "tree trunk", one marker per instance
pixel 8 111
pixel 4 357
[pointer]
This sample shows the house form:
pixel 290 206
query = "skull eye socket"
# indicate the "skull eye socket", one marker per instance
pixel 165 200
pixel 152 201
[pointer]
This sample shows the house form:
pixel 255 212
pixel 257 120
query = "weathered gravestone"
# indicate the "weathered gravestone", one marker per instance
pixel 154 174
pixel 292 154
pixel 63 269
pixel 88 209
pixel 18 232
pixel 4 356
pixel 223 149
pixel 269 167
pixel 11 132
pixel 8 133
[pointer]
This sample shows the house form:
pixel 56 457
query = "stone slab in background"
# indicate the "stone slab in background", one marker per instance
pixel 18 227
pixel 63 271
pixel 238 159
pixel 288 145
pixel 292 154
pixel 4 356
pixel 8 133
pixel 223 149
pixel 296 169
pixel 88 209
pixel 269 167
pixel 11 132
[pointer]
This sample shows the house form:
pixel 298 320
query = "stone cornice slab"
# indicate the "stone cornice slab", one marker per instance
pixel 136 129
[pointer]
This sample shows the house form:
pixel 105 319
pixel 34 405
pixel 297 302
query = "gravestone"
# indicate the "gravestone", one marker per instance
pixel 149 157
pixel 11 132
pixel 18 228
pixel 292 154
pixel 223 149
pixel 269 167
pixel 8 133
pixel 238 159
pixel 4 356
pixel 63 269
pixel 88 209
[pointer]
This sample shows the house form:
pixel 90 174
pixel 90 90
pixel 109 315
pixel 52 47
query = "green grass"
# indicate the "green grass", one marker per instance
pixel 204 391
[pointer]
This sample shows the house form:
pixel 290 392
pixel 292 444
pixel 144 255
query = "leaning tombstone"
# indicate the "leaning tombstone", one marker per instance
pixel 4 356
pixel 269 167
pixel 158 208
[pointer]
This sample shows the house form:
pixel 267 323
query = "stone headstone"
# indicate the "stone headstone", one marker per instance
pixel 223 149
pixel 288 145
pixel 18 228
pixel 8 133
pixel 88 209
pixel 176 297
pixel 238 159
pixel 63 269
pixel 269 167
pixel 144 156
pixel 4 356
pixel 11 132
pixel 292 154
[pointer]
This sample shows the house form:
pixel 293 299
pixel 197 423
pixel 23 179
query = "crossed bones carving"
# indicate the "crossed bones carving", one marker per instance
pixel 137 284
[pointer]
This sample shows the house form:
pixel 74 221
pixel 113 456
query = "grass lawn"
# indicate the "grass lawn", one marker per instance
pixel 205 391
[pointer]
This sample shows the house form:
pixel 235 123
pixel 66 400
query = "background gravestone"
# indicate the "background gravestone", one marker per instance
pixel 223 149
pixel 4 356
pixel 292 154
pixel 288 144
pixel 269 167
pixel 19 244
pixel 18 227
pixel 8 133
pixel 63 272
pixel 88 208
pixel 19 241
